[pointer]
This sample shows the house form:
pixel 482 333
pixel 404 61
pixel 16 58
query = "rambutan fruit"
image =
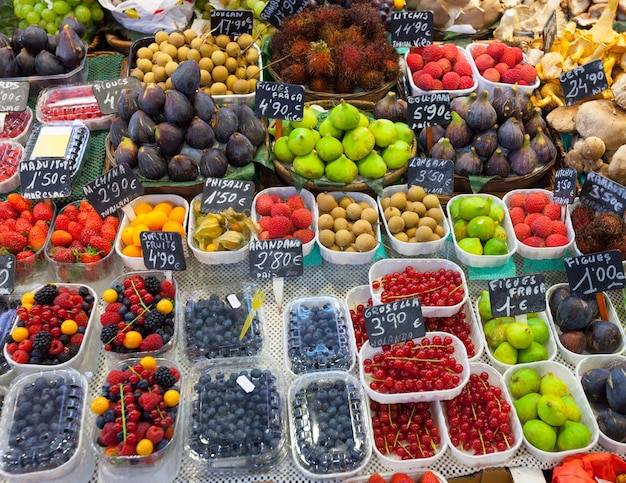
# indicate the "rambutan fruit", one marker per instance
pixel 618 243
pixel 331 15
pixel 353 35
pixel 373 56
pixel 351 59
pixel 279 43
pixel 588 243
pixel 319 60
pixel 330 35
pixel 321 84
pixel 299 48
pixel 365 16
pixel 300 25
pixel 344 84
pixel 371 80
pixel 581 216
pixel 294 74
pixel 606 224
pixel 390 69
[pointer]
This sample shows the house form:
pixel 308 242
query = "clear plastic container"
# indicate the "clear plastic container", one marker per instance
pixel 359 295
pixel 38 82
pixel 498 458
pixel 54 446
pixel 572 357
pixel 17 126
pixel 11 154
pixel 285 192
pixel 214 317
pixel 70 102
pixel 168 349
pixel 389 266
pixel 250 432
pixel 415 475
pixel 83 361
pixel 543 253
pixel 576 390
pixel 484 261
pixel 325 443
pixel 160 465
pixel 406 248
pixel 318 335
pixel 582 367
pixel 7 312
pixel 459 354
pixel 475 335
pixel 136 263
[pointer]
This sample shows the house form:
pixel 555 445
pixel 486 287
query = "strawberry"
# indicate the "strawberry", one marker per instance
pixel 75 229
pixel 71 211
pixel 113 220
pixel 108 231
pixel 100 244
pixel 376 478
pixel 86 234
pixel 93 220
pixel 429 477
pixel 61 238
pixel 64 255
pixel 14 242
pixel 90 256
pixel 10 224
pixel 401 478
pixel 7 211
pixel 25 258
pixel 37 236
pixel 23 226
pixel 43 211
pixel 28 215
pixel 84 205
pixel 18 202
pixel 62 221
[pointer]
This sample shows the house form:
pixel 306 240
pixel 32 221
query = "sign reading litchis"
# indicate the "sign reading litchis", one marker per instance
pixel 595 272
pixel 394 322
pixel 412 29
pixel 564 186
pixel 517 295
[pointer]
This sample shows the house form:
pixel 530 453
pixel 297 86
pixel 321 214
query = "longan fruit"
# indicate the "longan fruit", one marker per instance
pixel 361 226
pixel 429 222
pixel 164 59
pixel 218 89
pixel 177 39
pixel 364 204
pixel 410 218
pixel 206 63
pixel 370 214
pixel 423 234
pixel 252 56
pixel 194 54
pixel 138 73
pixel 391 211
pixel 190 35
pixel 218 57
pixel 343 238
pixel 161 36
pixel 162 85
pixel 326 238
pixel 144 53
pixel 340 224
pixel 148 77
pixel 325 222
pixel 182 52
pixel 252 84
pixel 353 211
pixel 222 41
pixel 365 242
pixel 253 72
pixel 240 72
pixel 416 193
pixel 338 212
pixel 395 224
pixel 417 207
pixel 230 80
pixel 144 65
pixel 219 73
pixel 410 232
pixel 335 248
pixel 439 231
pixel 436 214
pixel 159 73
pixel 385 202
pixel 205 77
pixel 245 41
pixel 345 201
pixel 398 200
pixel 431 201
pixel 231 64
pixel 350 248
pixel 206 50
pixel 241 86
pixel 195 43
pixel 233 49
pixel 326 202
pixel 170 67
pixel 169 49
pixel 169 84
pixel 401 236
pixel 154 47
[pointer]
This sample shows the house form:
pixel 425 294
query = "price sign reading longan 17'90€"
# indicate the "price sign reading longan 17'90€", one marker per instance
pixel 434 175
pixel 113 190
pixel 412 29
pixel 7 273
pixel 603 194
pixel 595 272
pixel 107 93
pixel 517 295
pixel 277 258
pixel 45 178
pixel 163 250
pixel 428 110
pixel 276 10
pixel 279 101
pixel 13 96
pixel 219 194
pixel 583 82
pixel 564 186
pixel 394 322
pixel 231 22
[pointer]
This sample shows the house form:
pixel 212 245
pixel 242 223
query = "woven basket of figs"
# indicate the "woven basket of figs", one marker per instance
pixel 344 145
pixel 335 53
pixel 498 142
pixel 176 138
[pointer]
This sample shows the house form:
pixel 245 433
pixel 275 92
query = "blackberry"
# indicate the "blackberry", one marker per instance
pixel 46 295
pixel 74 348
pixel 65 339
pixel 63 357
pixel 108 333
pixel 164 378
pixel 153 320
pixel 153 285
pixel 42 341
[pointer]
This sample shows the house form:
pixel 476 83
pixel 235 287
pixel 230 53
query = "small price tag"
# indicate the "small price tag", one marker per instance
pixel 45 178
pixel 220 194
pixel 107 93
pixel 412 29
pixel 13 96
pixel 7 273
pixel 517 295
pixel 276 258
pixel 163 250
pixel 231 22
pixel 113 190
pixel 434 175
pixel 603 194
pixel 595 272
pixel 583 82
pixel 564 186
pixel 549 32
pixel 428 110
pixel 279 101
pixel 394 322
pixel 276 10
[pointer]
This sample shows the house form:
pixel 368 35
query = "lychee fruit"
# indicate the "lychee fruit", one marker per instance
pixel 517 199
pixel 279 226
pixel 541 226
pixel 558 227
pixel 552 211
pixel 432 53
pixel 305 235
pixel 484 62
pixel 534 241
pixel 451 81
pixel 491 74
pixel 294 202
pixel 462 68
pixel 517 214
pixel 496 49
pixel 414 62
pixel 522 231
pixel 556 240
pixel 264 205
pixel 301 218
pixel 531 217
pixel 536 201
pixel 280 209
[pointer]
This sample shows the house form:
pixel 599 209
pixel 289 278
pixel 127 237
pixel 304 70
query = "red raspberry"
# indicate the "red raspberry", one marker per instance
pixel 108 318
pixel 116 377
pixel 149 401
pixel 25 345
pixel 56 347
pixel 21 357
pixel 77 338
pixel 168 290
pixel 154 434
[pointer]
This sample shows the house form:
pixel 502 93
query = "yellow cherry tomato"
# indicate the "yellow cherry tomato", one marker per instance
pixel 148 363
pixel 100 405
pixel 109 296
pixel 145 447
pixel 165 306
pixel 69 327
pixel 132 340
pixel 171 397
pixel 28 298
pixel 19 334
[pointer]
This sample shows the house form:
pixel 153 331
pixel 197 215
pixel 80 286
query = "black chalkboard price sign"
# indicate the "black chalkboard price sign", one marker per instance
pixel 394 322
pixel 162 250
pixel 7 273
pixel 564 186
pixel 412 29
pixel 582 82
pixel 595 272
pixel 45 178
pixel 107 93
pixel 231 22
pixel 434 175
pixel 113 190
pixel 276 258
pixel 603 194
pixel 219 194
pixel 13 96
pixel 279 101
pixel 428 110
pixel 549 32
pixel 276 10
pixel 517 295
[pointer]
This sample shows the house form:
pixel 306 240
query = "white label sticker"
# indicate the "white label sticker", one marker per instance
pixel 233 301
pixel 245 383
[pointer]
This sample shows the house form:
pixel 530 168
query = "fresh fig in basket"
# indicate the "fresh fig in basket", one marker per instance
pixel 182 168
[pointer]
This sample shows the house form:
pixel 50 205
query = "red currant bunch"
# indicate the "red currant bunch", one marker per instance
pixel 438 288
pixel 456 325
pixel 358 323
pixel 479 419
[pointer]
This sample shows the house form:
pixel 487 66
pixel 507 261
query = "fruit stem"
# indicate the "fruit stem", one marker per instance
pixel 128 326
pixel 123 411
pixel 407 450
pixel 408 423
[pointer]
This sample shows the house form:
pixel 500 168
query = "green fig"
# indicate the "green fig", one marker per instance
pixel 358 143
pixel 484 306
pixel 473 206
pixel 341 170
pixel 495 246
pixel 384 132
pixel 482 227
pixel 572 435
pixel 519 335
pixel 329 148
pixel 282 151
pixel 301 141
pixel 495 332
pixel 404 132
pixel 573 411
pixel 541 435
pixel 327 127
pixel 506 353
pixel 344 116
pixel 460 229
pixel 309 118
pixel 526 407
pixel 524 381
pixel 536 352
pixel 372 166
pixel 309 165
pixel 397 154
pixel 363 120
pixel 552 410
pixel 551 384
pixel 539 328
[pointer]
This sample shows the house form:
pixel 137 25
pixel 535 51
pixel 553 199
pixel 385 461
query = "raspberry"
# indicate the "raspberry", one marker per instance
pixel 492 75
pixel 535 202
pixel 484 62
pixel 451 81
pixel 414 62
pixel 77 339
pixel 511 76
pixel 478 50
pixel 534 241
pixel 149 400
pixel 154 434
pixel 108 435
pixel 496 49
pixel 462 68
pixel 294 202
pixel 151 342
pixel 21 357
pixel 116 377
pixel 279 226
pixel 542 226
pixel 424 82
pixel 466 82
pixel 280 209
pixel 126 449
pixel 517 199
pixel 552 211
pixel 264 204
pixel 110 318
pixel 432 53
pixel 168 290
pixel 433 69
pixel 508 57
pixel 522 231
pixel 450 52
pixel 445 65
pixel 517 215
pixel 559 228
pixel 556 240
pixel 528 73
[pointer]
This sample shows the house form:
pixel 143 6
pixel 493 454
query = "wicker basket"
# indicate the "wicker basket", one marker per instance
pixel 285 173
pixel 121 45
